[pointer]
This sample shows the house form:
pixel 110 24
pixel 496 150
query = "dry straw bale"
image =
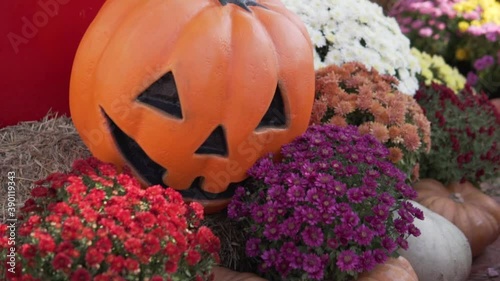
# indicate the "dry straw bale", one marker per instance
pixel 35 149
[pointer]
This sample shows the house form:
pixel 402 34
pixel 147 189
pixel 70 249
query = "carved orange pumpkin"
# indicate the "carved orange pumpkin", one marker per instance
pixel 476 214
pixel 190 94
pixel 394 269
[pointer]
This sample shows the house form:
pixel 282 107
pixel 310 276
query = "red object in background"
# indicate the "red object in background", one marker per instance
pixel 38 41
pixel 496 103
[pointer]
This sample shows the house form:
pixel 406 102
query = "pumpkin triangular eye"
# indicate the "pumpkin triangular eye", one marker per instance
pixel 215 143
pixel 163 95
pixel 275 116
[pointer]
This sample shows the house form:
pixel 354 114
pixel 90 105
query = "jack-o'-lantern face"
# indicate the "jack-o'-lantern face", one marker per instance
pixel 190 94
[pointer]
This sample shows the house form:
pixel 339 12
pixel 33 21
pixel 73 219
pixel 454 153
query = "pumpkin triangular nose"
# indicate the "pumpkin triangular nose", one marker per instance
pixel 215 143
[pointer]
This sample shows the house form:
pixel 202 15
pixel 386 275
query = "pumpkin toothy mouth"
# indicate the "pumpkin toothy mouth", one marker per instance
pixel 153 173
pixel 163 97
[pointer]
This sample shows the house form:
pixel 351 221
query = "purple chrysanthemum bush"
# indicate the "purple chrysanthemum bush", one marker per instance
pixel 333 207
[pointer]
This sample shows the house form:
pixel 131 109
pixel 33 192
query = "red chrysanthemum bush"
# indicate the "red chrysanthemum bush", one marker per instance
pixel 97 224
pixel 465 135
pixel 351 94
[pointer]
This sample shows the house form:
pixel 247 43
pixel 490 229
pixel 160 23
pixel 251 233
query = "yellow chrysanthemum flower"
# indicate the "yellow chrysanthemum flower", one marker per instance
pixel 475 23
pixel 461 54
pixel 490 11
pixel 463 26
pixel 435 69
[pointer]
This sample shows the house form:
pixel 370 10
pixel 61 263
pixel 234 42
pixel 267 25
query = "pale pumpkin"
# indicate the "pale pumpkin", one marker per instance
pixel 224 274
pixel 476 214
pixel 190 94
pixel 394 269
pixel 441 252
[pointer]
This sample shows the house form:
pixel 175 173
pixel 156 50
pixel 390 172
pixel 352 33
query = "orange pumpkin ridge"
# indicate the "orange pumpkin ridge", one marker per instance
pixel 190 94
pixel 472 194
pixel 394 269
pixel 473 212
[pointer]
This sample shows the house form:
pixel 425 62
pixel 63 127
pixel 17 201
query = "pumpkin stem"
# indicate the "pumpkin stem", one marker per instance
pixel 242 3
pixel 457 197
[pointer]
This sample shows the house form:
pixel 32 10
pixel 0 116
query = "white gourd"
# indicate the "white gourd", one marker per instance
pixel 441 252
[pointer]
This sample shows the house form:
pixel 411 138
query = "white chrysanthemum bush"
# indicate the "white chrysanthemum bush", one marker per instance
pixel 357 30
